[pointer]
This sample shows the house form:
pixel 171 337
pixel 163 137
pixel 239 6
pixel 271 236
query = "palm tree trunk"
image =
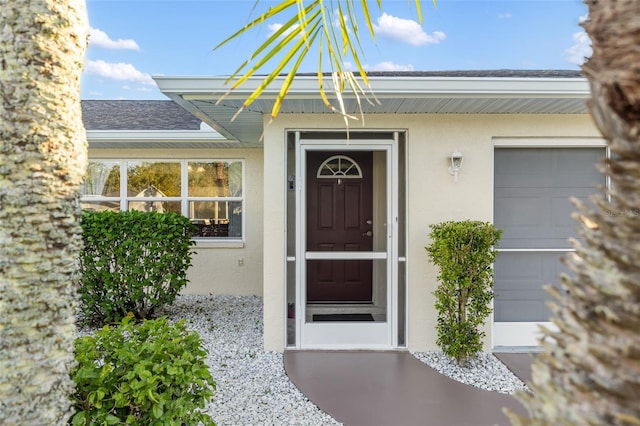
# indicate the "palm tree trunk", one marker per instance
pixel 42 161
pixel 591 374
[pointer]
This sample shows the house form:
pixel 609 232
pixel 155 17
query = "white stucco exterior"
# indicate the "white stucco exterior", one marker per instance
pixel 435 116
pixel 432 195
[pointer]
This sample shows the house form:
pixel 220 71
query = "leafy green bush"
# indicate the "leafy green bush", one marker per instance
pixel 153 373
pixel 464 253
pixel 132 262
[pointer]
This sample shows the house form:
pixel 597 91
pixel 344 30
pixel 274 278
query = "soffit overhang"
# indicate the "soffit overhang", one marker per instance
pixel 161 139
pixel 396 95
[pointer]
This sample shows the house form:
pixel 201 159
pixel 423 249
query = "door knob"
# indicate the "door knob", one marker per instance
pixel 369 222
pixel 367 234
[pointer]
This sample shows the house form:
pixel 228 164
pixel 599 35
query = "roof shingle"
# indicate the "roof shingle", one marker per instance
pixel 136 115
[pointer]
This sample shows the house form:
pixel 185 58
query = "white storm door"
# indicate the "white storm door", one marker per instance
pixel 346 241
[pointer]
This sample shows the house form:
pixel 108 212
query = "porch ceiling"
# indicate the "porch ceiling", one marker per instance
pixel 398 93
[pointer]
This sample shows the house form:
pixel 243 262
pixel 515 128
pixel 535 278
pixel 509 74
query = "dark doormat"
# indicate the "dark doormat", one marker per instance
pixel 342 317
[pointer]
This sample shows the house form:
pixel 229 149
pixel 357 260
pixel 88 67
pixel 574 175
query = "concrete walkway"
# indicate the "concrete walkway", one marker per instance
pixel 392 389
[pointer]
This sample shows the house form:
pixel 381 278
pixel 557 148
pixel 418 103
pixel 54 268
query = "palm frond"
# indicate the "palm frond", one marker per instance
pixel 324 24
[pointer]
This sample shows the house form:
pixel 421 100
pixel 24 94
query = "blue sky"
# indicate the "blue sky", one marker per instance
pixel 132 40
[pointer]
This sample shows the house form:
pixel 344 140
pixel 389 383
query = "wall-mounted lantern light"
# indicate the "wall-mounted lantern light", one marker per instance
pixel 456 164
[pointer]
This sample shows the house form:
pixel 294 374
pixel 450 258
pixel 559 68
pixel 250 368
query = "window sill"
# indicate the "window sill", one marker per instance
pixel 206 243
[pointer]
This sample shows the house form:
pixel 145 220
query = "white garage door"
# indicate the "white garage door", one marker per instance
pixel 532 190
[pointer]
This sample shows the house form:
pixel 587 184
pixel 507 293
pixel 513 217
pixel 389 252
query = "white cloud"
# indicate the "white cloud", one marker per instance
pixel 275 27
pixel 506 15
pixel 118 71
pixel 580 50
pixel 388 66
pixel 405 30
pixel 99 38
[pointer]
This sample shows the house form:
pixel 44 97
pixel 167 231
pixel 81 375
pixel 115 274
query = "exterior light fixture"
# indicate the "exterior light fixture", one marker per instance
pixel 456 164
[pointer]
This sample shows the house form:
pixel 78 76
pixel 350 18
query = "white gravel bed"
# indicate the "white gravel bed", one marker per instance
pixel 252 386
pixel 484 371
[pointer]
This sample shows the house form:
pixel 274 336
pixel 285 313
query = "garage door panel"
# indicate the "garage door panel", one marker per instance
pixel 522 168
pixel 511 267
pixel 553 167
pixel 520 278
pixel 534 222
pixel 574 168
pixel 519 211
pixel 521 311
pixel 528 270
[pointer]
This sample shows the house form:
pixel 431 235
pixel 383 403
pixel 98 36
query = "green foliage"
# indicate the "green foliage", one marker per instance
pixel 463 251
pixel 132 262
pixel 153 373
pixel 309 26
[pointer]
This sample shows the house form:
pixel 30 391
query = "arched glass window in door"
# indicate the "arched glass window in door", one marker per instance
pixel 339 166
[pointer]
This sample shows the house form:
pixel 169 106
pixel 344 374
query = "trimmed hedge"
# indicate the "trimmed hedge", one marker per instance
pixel 132 262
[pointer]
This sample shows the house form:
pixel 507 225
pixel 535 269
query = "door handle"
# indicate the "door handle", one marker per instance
pixel 368 234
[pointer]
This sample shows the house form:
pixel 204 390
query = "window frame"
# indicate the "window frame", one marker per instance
pixel 184 199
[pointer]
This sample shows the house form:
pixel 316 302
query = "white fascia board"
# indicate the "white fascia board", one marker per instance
pixel 191 88
pixel 156 136
pixel 549 142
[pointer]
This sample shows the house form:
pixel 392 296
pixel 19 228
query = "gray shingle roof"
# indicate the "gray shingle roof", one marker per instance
pixel 136 115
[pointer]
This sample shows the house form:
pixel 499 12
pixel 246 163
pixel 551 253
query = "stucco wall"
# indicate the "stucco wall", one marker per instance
pixel 432 195
pixel 219 267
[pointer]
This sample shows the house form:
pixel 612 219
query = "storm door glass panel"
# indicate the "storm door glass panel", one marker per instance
pixel 350 290
pixel 291 239
pixel 402 253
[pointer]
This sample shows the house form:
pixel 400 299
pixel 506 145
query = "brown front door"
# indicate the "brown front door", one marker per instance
pixel 339 218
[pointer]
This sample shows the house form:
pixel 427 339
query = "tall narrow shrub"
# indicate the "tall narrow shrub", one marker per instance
pixel 132 262
pixel 463 251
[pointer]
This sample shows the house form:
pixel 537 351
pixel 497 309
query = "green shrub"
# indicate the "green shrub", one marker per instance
pixel 153 373
pixel 132 262
pixel 463 251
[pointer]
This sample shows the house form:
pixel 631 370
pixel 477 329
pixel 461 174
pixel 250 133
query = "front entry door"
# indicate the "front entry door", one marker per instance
pixel 339 218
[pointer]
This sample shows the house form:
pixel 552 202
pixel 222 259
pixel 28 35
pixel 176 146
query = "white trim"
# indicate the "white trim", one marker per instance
pixel 211 243
pixel 519 333
pixel 345 335
pixel 548 142
pixel 194 88
pixel 376 335
pixel 156 135
pixel 338 174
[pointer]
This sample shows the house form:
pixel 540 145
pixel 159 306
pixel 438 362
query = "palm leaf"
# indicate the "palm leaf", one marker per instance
pixel 297 36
